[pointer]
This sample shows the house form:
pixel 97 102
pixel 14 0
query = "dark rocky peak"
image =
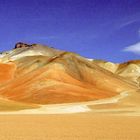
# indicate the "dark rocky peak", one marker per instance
pixel 23 45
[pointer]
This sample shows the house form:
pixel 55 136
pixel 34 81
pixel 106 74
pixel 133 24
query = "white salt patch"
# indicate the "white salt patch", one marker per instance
pixel 90 59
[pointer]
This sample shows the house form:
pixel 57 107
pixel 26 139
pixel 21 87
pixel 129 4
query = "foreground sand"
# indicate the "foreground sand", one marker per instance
pixel 116 118
pixel 82 126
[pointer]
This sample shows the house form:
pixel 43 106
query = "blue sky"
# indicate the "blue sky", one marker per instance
pixel 99 29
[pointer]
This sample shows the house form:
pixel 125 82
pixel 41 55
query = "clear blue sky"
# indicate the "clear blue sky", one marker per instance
pixel 100 29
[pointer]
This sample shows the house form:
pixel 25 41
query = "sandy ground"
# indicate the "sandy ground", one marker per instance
pixel 82 126
pixel 95 120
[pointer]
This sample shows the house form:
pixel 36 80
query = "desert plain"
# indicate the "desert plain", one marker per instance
pixel 79 126
pixel 94 120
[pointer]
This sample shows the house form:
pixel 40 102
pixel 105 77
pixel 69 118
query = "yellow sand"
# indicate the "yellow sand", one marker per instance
pixel 82 126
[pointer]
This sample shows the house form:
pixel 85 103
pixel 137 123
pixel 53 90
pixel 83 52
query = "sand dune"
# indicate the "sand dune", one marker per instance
pixel 110 105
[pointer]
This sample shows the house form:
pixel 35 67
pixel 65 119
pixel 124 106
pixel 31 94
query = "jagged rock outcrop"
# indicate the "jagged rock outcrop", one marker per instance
pixel 21 45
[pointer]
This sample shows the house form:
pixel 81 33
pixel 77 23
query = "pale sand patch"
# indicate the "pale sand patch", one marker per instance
pixel 54 109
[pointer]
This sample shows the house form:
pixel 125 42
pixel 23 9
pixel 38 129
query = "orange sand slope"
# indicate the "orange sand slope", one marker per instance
pixel 7 72
pixel 36 74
